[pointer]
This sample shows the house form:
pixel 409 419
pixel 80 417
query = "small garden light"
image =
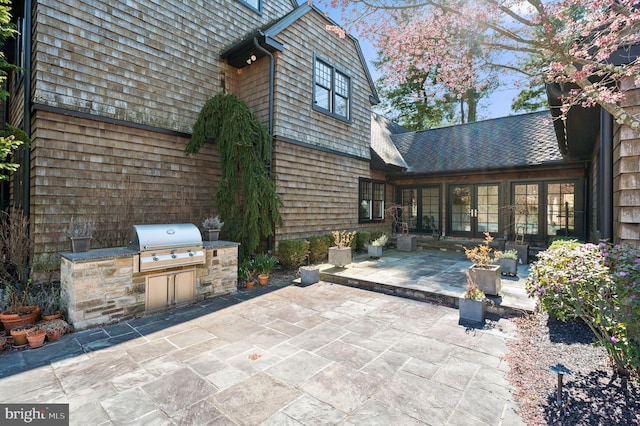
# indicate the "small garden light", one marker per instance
pixel 560 370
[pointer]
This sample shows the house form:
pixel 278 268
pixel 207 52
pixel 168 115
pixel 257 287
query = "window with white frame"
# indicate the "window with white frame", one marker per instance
pixel 332 90
pixel 371 196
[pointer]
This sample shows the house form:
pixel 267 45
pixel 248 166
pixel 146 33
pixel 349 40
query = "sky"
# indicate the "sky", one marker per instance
pixel 498 104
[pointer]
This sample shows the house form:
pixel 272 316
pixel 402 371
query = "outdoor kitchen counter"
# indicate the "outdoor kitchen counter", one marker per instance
pixel 103 286
pixel 111 252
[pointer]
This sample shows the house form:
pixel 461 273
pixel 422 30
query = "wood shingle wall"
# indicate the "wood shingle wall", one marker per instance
pixel 626 172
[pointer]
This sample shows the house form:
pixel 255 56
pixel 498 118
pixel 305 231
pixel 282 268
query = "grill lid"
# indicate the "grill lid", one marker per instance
pixel 165 236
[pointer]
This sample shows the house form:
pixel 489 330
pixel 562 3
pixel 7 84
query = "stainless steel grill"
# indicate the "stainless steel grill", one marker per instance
pixel 163 246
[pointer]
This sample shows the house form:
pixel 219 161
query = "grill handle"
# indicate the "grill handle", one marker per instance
pixel 171 246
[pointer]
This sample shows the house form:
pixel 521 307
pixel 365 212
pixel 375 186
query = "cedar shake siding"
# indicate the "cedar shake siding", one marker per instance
pixel 116 87
pixel 116 174
pixel 626 172
pixel 294 117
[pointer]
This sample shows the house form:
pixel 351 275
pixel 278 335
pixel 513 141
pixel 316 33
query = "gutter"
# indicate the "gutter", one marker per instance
pixel 270 124
pixel 606 176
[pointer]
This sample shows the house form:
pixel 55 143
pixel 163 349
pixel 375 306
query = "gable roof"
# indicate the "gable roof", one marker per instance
pixel 384 153
pixel 237 54
pixel 507 142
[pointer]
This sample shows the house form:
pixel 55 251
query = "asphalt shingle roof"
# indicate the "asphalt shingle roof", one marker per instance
pixel 381 143
pixel 513 141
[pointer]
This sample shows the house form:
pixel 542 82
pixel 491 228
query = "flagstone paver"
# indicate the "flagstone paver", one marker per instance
pixel 313 355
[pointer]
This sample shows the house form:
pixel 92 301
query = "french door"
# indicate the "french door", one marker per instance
pixel 474 209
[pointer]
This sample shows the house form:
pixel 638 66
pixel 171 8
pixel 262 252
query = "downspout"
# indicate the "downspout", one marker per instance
pixel 26 172
pixel 606 171
pixel 272 69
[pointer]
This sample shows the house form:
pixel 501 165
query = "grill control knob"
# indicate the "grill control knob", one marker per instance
pixel 191 254
pixel 156 258
pixel 173 255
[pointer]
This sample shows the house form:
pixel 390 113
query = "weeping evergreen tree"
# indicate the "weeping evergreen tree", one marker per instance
pixel 246 196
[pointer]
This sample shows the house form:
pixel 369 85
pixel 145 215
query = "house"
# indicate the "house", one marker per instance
pixel 504 176
pixel 110 90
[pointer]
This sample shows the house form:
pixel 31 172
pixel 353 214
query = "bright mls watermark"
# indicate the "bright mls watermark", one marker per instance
pixel 34 414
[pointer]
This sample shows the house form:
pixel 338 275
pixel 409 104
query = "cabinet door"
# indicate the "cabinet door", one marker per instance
pixel 184 287
pixel 157 292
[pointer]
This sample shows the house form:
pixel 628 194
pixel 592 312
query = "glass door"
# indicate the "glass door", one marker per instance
pixel 474 209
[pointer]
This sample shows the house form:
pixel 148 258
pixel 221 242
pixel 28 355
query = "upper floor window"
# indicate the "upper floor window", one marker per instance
pixel 332 90
pixel 253 4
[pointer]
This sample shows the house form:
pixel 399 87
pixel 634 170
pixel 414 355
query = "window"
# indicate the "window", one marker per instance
pixel 371 200
pixel 253 4
pixel 560 209
pixel 332 90
pixel 525 208
pixel 19 50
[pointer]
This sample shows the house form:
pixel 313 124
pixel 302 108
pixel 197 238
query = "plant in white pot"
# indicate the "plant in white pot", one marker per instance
pixel 212 226
pixel 484 273
pixel 340 253
pixel 375 248
pixel 509 262
pixel 80 232
pixel 471 305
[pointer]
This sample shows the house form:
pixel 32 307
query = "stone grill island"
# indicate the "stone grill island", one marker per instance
pixel 103 286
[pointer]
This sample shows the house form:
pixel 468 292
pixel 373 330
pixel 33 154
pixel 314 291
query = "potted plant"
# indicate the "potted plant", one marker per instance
pixel 246 272
pixel 484 273
pixel 54 328
pixel 212 226
pixel 50 302
pixel 19 310
pixel 264 264
pixel 309 274
pixel 36 337
pixel 19 334
pixel 375 248
pixel 80 232
pixel 471 305
pixel 340 253
pixel 509 262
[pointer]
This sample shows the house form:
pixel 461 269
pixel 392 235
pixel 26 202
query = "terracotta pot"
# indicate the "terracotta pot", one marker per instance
pixel 263 279
pixel 36 338
pixel 249 284
pixel 3 340
pixel 54 334
pixel 27 315
pixel 52 316
pixel 19 335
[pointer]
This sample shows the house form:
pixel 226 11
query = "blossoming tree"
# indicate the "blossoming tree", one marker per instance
pixel 587 46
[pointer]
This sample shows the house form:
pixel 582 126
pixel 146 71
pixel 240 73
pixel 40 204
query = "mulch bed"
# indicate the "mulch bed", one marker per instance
pixel 592 395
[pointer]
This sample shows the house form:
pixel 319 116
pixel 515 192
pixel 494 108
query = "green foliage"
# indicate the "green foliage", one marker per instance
pixel 599 284
pixel 473 291
pixel 11 139
pixel 246 195
pixel 292 253
pixel 246 270
pixel 264 263
pixel 7 31
pixel 319 248
pixel 509 254
pixel 530 100
pixel 361 240
pixel 381 241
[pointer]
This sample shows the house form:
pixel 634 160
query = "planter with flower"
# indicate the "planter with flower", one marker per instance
pixel 19 334
pixel 509 262
pixel 375 248
pixel 50 302
pixel 212 226
pixel 471 305
pixel 340 253
pixel 264 264
pixel 80 232
pixel 484 273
